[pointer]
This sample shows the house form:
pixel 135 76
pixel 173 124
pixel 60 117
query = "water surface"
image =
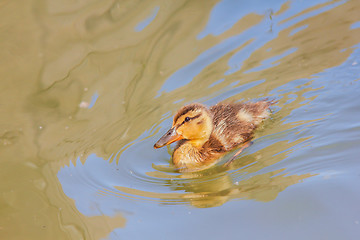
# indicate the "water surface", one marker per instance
pixel 87 87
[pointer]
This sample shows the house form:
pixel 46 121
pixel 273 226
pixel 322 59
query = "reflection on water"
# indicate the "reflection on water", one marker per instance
pixel 90 85
pixel 202 189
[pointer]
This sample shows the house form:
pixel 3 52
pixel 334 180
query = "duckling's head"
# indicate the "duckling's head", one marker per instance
pixel 192 122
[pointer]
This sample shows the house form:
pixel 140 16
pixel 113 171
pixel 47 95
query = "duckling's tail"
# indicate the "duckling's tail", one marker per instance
pixel 270 102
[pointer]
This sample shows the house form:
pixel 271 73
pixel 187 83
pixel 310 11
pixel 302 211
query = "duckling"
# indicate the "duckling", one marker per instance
pixel 205 134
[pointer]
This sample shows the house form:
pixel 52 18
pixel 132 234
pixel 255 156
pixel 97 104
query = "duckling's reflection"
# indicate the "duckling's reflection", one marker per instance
pixel 216 186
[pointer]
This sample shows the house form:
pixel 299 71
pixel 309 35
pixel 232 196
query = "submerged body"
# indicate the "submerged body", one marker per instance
pixel 205 134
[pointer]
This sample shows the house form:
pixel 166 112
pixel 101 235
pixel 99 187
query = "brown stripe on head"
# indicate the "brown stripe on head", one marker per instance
pixel 188 108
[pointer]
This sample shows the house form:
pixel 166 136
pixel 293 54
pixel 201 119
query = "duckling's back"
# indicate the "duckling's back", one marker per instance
pixel 234 123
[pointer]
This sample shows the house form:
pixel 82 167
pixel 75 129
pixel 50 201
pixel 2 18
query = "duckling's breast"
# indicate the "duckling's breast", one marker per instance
pixel 186 157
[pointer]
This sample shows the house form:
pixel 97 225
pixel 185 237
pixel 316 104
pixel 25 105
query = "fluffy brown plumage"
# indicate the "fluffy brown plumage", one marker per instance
pixel 205 134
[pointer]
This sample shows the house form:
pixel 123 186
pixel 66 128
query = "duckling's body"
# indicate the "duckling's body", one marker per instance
pixel 205 134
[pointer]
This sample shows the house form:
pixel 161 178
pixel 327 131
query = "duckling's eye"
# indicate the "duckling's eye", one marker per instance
pixel 187 119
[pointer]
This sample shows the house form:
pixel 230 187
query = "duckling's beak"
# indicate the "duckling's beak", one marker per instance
pixel 169 137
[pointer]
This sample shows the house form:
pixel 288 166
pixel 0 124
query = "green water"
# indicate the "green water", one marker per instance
pixel 87 88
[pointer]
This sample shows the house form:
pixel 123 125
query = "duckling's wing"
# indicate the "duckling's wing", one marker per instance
pixel 234 123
